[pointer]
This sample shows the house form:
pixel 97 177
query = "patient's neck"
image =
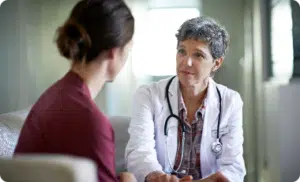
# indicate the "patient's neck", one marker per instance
pixel 94 76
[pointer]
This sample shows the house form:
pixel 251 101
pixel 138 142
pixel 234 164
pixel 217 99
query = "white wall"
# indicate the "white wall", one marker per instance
pixel 272 130
pixel 282 120
pixel 289 135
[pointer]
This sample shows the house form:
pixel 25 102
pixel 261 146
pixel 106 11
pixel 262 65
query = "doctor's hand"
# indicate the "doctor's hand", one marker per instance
pixel 162 177
pixel 127 177
pixel 217 177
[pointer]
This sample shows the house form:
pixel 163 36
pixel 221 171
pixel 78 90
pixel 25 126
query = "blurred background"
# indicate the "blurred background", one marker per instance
pixel 263 65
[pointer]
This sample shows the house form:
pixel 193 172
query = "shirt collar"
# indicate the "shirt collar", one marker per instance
pixel 182 107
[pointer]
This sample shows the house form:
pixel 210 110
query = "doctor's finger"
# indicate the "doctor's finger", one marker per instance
pixel 186 178
pixel 174 178
pixel 221 177
pixel 164 178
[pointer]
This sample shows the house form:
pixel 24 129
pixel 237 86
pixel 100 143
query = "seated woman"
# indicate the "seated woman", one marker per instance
pixel 96 38
pixel 188 126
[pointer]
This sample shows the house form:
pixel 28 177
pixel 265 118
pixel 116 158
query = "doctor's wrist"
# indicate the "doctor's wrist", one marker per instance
pixel 151 176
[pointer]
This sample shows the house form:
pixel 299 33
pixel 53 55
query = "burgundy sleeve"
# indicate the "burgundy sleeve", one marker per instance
pixel 102 148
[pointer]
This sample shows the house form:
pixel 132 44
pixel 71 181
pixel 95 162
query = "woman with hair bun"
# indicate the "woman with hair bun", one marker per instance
pixel 96 38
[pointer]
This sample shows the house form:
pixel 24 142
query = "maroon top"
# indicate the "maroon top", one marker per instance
pixel 65 120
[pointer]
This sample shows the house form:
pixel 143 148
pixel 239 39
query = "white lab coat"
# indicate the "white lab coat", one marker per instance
pixel 146 149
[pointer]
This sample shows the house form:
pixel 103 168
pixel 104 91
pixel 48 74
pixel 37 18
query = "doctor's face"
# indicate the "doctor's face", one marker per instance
pixel 194 62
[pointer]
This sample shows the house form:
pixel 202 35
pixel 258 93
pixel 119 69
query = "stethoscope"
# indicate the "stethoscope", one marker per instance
pixel 216 146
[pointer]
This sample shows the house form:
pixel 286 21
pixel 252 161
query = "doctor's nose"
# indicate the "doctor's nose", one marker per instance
pixel 188 61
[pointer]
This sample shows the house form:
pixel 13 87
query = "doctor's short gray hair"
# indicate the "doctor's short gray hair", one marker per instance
pixel 206 29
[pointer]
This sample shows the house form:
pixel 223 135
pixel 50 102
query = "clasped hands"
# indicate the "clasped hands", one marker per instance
pixel 161 177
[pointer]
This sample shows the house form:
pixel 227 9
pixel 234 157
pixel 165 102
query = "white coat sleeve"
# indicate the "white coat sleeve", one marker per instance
pixel 140 154
pixel 231 162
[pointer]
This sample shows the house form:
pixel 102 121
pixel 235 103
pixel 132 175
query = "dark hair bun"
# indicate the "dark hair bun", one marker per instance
pixel 73 41
pixel 95 26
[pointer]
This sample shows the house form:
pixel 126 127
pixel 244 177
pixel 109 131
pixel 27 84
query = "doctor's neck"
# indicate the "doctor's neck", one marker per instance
pixel 94 75
pixel 194 93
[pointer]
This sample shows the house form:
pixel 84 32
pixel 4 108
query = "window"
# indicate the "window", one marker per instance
pixel 154 52
pixel 282 40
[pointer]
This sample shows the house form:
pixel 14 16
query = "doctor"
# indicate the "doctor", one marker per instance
pixel 189 126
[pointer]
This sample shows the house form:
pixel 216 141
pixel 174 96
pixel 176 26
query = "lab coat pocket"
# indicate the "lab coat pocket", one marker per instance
pixel 222 131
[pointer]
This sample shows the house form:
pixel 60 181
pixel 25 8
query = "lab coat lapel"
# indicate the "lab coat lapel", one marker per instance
pixel 210 118
pixel 212 107
pixel 172 125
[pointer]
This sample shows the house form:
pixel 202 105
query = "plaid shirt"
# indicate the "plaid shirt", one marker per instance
pixel 191 157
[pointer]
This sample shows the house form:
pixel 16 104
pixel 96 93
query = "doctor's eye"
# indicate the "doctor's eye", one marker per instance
pixel 181 51
pixel 199 55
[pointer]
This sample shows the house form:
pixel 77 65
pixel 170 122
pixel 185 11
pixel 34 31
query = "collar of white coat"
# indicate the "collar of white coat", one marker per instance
pixel 212 94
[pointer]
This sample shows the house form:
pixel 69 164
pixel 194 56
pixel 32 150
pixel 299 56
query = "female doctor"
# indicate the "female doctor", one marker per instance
pixel 188 126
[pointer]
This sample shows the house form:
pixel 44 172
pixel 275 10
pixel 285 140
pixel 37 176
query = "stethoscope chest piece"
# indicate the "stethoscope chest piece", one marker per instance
pixel 217 147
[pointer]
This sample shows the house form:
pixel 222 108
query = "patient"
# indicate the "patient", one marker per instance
pixel 96 38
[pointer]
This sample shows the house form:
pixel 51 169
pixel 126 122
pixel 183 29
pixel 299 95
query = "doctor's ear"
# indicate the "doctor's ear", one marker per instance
pixel 218 63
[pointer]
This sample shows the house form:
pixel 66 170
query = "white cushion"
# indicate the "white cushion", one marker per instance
pixel 10 125
pixel 37 168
